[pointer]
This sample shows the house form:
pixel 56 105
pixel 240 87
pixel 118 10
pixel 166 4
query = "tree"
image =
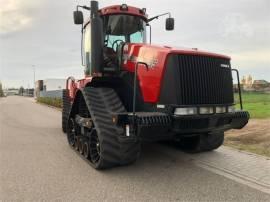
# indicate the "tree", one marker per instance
pixel 1 90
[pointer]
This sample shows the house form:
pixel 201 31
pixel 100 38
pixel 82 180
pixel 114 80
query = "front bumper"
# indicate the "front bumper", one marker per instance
pixel 209 123
pixel 156 125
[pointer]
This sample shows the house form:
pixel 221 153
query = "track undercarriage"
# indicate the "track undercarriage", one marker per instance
pixel 91 131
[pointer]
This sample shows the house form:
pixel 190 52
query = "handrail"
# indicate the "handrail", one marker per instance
pixel 239 88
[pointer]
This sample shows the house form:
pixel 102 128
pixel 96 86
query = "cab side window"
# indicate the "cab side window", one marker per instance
pixel 87 48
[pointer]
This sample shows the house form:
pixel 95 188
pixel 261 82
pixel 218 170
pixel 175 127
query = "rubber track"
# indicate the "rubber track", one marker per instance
pixel 65 110
pixel 202 143
pixel 102 103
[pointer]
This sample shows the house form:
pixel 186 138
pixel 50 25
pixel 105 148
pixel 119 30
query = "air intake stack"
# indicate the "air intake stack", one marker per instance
pixel 97 40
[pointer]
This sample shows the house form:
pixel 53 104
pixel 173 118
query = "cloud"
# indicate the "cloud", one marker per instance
pixel 16 15
pixel 235 25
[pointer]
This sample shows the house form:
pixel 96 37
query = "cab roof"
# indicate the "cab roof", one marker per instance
pixel 124 9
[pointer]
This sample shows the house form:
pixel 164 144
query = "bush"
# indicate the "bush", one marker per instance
pixel 56 102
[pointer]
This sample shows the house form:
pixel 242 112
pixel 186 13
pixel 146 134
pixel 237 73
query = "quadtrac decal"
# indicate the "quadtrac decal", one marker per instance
pixel 150 62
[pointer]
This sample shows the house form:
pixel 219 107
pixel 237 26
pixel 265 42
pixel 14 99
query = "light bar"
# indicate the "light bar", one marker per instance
pixel 124 7
pixel 185 111
pixel 206 110
pixel 220 110
pixel 202 110
pixel 231 109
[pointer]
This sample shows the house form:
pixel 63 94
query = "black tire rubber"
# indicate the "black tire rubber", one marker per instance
pixel 115 147
pixel 65 111
pixel 86 150
pixel 201 143
pixel 211 141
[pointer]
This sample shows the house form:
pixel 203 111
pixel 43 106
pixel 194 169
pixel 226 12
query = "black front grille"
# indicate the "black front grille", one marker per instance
pixel 197 80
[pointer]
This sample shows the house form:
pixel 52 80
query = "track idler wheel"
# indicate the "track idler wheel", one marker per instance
pixel 94 150
pixel 85 149
pixel 77 142
pixel 81 141
pixel 71 132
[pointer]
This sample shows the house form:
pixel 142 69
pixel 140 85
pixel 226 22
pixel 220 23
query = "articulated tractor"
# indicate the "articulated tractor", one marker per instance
pixel 135 92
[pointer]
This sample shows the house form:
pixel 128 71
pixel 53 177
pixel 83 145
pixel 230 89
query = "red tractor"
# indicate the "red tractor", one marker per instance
pixel 134 91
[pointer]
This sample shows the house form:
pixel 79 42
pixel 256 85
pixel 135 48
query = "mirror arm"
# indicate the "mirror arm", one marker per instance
pixel 156 17
pixel 84 7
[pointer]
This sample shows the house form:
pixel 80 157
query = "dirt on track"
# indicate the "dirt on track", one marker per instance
pixel 254 137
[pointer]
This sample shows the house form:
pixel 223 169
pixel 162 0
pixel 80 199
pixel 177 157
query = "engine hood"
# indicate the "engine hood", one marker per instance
pixel 155 55
pixel 156 58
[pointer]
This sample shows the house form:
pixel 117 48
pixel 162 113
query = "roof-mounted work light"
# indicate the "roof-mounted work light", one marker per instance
pixel 124 7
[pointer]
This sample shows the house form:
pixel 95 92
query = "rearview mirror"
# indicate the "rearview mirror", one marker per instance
pixel 169 24
pixel 78 17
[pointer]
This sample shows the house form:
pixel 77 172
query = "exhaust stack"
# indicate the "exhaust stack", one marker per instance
pixel 97 39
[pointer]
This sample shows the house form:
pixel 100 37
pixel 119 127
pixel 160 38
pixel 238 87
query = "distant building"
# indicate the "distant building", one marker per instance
pixel 54 84
pixel 38 87
pixel 249 84
pixel 52 88
pixel 10 92
pixel 260 84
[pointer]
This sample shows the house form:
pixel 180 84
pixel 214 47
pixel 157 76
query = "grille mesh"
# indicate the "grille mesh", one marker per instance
pixel 204 81
pixel 197 80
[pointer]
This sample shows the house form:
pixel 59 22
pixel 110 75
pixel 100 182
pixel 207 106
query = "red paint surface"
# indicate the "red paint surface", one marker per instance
pixel 150 81
pixel 116 9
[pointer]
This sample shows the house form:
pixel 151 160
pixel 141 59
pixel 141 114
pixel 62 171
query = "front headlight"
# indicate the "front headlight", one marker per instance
pixel 231 109
pixel 185 111
pixel 206 110
pixel 220 110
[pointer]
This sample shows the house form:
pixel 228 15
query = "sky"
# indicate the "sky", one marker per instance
pixel 40 35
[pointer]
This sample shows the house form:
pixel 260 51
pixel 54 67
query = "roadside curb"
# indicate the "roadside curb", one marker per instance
pixel 247 152
pixel 53 107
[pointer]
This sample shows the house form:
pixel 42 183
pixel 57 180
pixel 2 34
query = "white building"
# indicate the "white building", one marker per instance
pixel 54 84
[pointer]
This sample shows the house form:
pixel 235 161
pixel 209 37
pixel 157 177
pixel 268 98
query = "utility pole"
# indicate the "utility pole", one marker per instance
pixel 34 71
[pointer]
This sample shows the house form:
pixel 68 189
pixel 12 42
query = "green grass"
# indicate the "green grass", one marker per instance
pixel 55 102
pixel 258 104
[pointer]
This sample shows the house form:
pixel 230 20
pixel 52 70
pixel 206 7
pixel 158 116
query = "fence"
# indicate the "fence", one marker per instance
pixel 51 94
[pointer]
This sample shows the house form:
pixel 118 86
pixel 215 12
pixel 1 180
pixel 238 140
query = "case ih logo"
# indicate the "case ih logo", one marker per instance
pixel 225 65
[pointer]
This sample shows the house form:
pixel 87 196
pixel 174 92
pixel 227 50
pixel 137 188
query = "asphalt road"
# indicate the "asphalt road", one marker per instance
pixel 36 164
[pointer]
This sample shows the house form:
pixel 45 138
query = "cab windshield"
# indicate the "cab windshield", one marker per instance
pixel 124 28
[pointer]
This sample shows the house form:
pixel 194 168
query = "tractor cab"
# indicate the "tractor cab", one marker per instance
pixel 120 29
pixel 108 30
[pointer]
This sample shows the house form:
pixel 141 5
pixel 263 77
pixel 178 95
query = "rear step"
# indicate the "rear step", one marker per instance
pixel 143 118
pixel 149 125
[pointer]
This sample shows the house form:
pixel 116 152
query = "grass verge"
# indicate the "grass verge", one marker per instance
pixel 257 104
pixel 55 102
